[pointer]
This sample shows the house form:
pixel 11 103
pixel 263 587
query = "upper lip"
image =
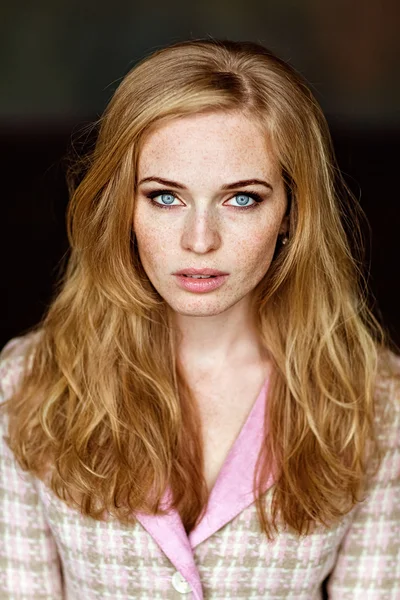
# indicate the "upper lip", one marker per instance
pixel 200 272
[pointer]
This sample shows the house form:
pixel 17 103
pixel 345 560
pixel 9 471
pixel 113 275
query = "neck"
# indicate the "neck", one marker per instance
pixel 212 343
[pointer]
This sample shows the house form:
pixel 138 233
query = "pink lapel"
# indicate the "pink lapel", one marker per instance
pixel 233 489
pixel 231 494
pixel 169 533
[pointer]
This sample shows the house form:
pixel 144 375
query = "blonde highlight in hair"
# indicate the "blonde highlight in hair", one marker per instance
pixel 105 408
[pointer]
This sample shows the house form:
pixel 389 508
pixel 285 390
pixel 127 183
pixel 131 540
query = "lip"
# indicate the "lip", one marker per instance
pixel 200 272
pixel 200 285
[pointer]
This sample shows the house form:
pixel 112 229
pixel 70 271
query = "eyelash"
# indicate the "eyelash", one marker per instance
pixel 258 199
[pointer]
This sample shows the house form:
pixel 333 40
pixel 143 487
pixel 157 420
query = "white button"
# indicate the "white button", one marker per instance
pixel 180 583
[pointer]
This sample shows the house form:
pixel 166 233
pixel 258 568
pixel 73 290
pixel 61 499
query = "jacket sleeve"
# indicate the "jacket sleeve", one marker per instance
pixel 30 564
pixel 368 561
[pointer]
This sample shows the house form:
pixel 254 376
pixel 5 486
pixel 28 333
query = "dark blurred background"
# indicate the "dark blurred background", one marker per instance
pixel 61 62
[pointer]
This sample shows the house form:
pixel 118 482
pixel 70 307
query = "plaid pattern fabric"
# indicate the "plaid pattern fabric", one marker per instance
pixel 50 551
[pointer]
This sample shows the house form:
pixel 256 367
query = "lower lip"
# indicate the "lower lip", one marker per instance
pixel 200 285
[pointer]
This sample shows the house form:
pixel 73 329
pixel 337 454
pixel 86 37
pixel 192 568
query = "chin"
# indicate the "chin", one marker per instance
pixel 200 306
pixel 198 312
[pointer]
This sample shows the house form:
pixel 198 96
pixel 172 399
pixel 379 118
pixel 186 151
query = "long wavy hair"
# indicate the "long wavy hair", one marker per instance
pixel 104 406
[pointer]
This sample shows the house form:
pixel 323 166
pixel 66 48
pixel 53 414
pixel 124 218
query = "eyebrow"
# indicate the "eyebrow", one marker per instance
pixel 227 186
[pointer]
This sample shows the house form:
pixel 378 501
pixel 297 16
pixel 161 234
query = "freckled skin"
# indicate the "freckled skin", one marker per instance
pixel 204 152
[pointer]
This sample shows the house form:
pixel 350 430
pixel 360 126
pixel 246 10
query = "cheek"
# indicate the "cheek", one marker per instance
pixel 257 248
pixel 152 241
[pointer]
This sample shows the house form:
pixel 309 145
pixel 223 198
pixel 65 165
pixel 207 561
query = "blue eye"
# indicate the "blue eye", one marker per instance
pixel 242 199
pixel 167 198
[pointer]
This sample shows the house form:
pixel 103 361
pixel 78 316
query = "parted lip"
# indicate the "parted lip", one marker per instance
pixel 200 272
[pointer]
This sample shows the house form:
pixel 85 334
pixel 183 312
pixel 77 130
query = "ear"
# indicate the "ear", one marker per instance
pixel 284 228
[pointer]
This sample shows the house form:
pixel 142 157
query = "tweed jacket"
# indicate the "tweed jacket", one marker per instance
pixel 50 551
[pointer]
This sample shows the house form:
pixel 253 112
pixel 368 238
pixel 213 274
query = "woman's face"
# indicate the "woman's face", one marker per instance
pixel 205 224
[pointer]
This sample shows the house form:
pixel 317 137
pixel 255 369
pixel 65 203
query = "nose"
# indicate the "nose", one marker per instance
pixel 201 231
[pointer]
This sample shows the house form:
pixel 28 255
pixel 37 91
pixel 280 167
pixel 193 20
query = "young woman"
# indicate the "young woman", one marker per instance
pixel 208 408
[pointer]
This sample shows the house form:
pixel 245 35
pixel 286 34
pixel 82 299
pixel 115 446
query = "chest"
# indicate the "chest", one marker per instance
pixel 223 410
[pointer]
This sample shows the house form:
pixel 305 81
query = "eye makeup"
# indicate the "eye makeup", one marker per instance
pixel 253 195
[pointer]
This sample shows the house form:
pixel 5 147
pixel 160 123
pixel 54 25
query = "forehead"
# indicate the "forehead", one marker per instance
pixel 219 145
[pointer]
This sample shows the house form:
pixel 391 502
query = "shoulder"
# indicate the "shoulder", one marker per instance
pixel 387 418
pixel 15 357
pixel 387 392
